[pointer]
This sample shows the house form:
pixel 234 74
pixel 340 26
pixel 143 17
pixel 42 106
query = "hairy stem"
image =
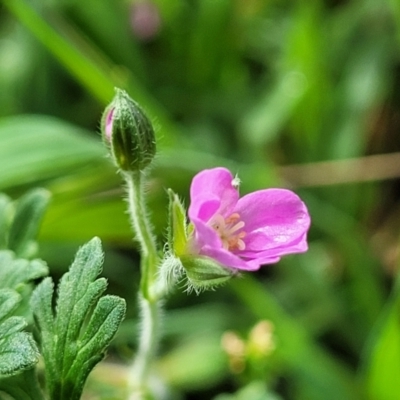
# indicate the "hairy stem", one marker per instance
pixel 143 232
pixel 148 300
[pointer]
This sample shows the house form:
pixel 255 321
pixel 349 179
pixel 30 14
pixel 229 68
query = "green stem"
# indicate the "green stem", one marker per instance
pixel 143 232
pixel 148 342
pixel 148 300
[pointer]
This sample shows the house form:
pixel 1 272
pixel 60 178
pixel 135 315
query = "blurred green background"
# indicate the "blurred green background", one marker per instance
pixel 299 94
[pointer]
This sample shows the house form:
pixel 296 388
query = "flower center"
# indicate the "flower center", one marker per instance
pixel 229 230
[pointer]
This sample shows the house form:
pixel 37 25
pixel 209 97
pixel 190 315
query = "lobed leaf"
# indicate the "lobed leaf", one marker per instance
pixel 18 350
pixel 9 300
pixel 70 351
pixel 104 323
pixel 17 272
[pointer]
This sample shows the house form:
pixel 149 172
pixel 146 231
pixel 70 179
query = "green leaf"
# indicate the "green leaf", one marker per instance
pixel 59 148
pixel 28 216
pixel 381 367
pixel 9 300
pixel 70 347
pixel 14 273
pixel 5 217
pixel 18 350
pixel 23 386
pixel 103 325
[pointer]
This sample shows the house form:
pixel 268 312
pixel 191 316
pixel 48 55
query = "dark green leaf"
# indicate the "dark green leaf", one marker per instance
pixel 5 217
pixel 28 216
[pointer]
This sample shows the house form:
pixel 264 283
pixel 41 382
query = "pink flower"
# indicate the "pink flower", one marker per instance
pixel 244 233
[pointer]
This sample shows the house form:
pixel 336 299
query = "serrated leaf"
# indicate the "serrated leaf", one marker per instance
pixel 12 325
pixel 69 350
pixel 73 286
pixel 41 304
pixel 29 212
pixel 104 323
pixel 15 272
pixel 18 350
pixel 9 300
pixel 79 313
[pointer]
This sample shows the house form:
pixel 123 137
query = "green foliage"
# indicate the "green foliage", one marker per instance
pixel 16 273
pixel 28 215
pixel 381 366
pixel 75 338
pixel 255 391
pixel 58 147
pixel 266 88
pixel 18 350
pixel 20 221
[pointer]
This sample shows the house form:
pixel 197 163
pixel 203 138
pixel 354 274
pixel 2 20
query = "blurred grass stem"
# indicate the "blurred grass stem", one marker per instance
pixel 363 169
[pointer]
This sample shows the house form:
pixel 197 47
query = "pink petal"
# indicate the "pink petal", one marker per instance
pixel 212 191
pixel 208 243
pixel 228 259
pixel 274 219
pixel 256 263
pixel 299 246
pixel 109 124
pixel 205 235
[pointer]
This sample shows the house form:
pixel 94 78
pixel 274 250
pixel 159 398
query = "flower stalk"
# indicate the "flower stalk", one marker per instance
pixel 143 232
pixel 149 302
pixel 129 135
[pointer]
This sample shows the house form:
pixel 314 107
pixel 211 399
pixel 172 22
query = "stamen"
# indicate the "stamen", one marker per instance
pixel 227 230
pixel 235 228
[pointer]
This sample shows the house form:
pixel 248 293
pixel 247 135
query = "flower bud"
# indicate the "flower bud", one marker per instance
pixel 128 132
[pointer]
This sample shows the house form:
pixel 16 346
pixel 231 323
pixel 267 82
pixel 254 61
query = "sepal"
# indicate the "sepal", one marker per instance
pixel 204 273
pixel 177 229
